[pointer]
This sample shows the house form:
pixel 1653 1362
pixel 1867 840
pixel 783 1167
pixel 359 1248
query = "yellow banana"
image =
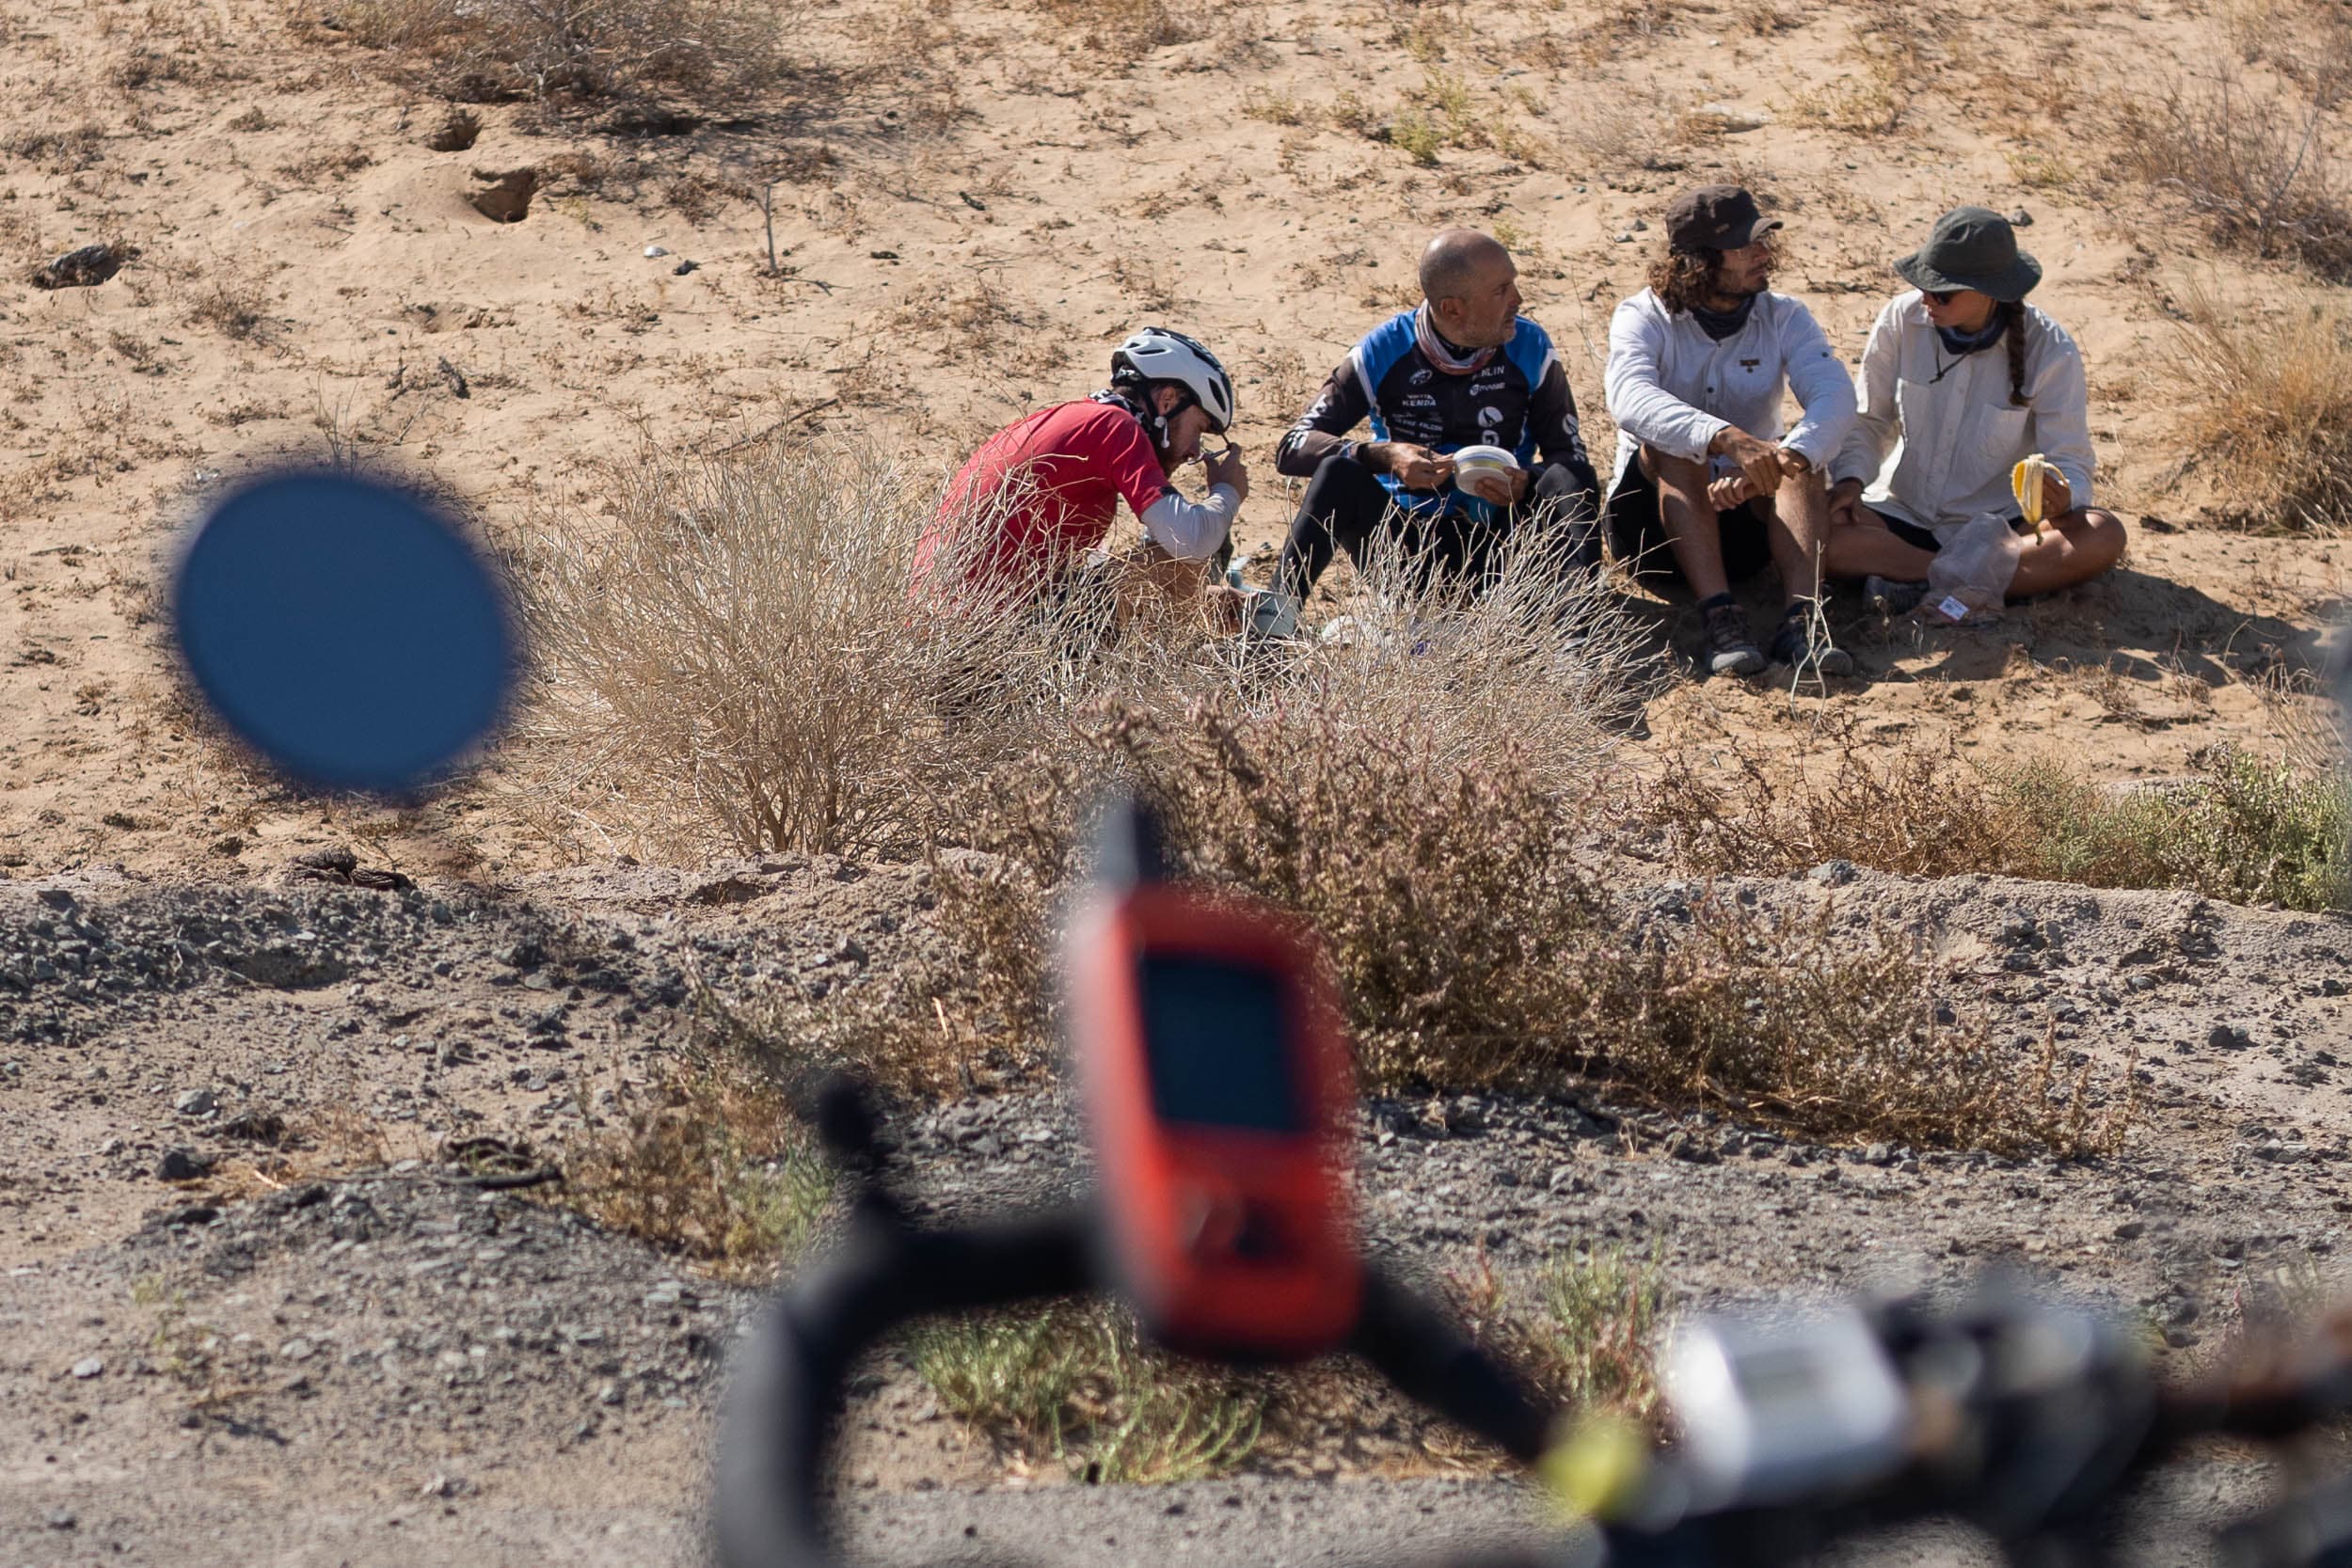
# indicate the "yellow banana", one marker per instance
pixel 2025 483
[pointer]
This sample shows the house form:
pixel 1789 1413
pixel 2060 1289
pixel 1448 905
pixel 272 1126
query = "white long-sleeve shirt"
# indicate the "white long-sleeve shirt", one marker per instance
pixel 1936 436
pixel 1671 386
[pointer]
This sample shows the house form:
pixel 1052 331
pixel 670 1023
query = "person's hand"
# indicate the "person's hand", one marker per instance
pixel 1845 503
pixel 1497 490
pixel 1729 491
pixel 1794 463
pixel 1224 468
pixel 2058 497
pixel 1414 468
pixel 1758 460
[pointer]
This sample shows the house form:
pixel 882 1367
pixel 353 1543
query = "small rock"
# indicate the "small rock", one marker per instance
pixel 85 268
pixel 2131 1231
pixel 2224 1038
pixel 685 267
pixel 180 1165
pixel 89 1367
pixel 195 1102
pixel 336 860
pixel 609 1394
pixel 1835 873
pixel 2022 218
pixel 296 1349
pixel 654 250
pixel 62 1518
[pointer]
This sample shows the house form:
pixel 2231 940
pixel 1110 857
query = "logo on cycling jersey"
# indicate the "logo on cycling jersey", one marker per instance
pixel 1490 422
pixel 1421 378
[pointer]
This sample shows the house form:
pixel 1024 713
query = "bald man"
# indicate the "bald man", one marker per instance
pixel 1465 369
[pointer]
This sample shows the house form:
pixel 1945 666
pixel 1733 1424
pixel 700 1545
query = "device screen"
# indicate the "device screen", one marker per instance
pixel 1214 1034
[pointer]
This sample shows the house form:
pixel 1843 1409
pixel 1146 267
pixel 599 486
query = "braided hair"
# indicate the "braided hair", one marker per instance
pixel 2013 339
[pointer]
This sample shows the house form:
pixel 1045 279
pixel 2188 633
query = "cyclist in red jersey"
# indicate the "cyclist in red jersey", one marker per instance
pixel 1041 493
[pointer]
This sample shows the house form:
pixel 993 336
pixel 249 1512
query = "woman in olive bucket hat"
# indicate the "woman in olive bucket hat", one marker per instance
pixel 1961 381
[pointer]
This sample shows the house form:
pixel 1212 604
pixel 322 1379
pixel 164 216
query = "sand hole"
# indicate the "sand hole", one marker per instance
pixel 506 197
pixel 459 130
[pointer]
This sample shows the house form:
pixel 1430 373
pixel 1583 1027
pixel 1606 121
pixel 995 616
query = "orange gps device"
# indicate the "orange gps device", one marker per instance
pixel 1222 1098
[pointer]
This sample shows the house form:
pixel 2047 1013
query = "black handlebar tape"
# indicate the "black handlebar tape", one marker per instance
pixel 1423 1352
pixel 778 1415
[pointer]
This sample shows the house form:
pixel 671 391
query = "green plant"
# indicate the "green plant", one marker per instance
pixel 1075 1386
pixel 1418 135
pixel 2249 829
pixel 1589 1342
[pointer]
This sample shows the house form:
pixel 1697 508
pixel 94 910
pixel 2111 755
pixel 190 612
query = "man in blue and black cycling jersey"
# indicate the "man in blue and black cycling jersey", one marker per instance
pixel 1465 369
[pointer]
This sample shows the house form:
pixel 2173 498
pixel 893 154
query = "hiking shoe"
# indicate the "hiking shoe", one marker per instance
pixel 1801 643
pixel 1270 617
pixel 1728 650
pixel 1890 598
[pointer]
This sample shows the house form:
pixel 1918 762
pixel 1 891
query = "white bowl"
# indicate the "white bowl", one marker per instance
pixel 1497 461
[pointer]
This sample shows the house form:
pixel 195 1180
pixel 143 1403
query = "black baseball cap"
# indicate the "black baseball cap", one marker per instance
pixel 1715 217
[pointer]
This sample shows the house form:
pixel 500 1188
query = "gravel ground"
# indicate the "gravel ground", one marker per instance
pixel 260 1310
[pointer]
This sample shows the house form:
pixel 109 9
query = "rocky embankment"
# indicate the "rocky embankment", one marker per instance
pixel 287 1281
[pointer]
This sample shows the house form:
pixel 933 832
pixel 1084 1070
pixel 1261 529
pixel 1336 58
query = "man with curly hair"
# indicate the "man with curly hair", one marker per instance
pixel 1709 487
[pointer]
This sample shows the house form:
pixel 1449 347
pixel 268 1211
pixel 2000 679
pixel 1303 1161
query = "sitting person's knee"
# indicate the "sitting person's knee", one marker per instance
pixel 2101 538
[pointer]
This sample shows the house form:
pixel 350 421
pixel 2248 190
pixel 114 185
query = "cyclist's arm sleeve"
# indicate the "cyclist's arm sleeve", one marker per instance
pixel 1191 530
pixel 1338 409
pixel 1551 412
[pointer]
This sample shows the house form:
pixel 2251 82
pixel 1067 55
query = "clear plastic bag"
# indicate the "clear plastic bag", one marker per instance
pixel 1974 564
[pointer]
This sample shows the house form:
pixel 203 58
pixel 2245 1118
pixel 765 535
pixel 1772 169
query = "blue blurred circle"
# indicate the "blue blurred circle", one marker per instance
pixel 345 631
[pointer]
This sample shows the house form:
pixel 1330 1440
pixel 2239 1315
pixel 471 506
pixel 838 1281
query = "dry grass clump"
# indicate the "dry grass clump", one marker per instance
pixel 583 49
pixel 2272 410
pixel 2259 167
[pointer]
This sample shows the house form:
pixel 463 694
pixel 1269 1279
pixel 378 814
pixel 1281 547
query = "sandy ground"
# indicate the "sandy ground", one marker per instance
pixel 971 203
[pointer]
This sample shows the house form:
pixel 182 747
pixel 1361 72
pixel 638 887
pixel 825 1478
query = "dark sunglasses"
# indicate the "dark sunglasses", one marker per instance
pixel 1942 296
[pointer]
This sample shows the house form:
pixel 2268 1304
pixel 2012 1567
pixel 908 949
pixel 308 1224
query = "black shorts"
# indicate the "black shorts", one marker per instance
pixel 1919 538
pixel 1637 535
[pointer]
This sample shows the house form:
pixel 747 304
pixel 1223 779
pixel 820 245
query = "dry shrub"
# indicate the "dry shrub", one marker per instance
pixel 1919 812
pixel 2272 412
pixel 710 1161
pixel 2246 828
pixel 733 656
pixel 2258 166
pixel 1476 947
pixel 584 49
pixel 1125 27
pixel 2307 42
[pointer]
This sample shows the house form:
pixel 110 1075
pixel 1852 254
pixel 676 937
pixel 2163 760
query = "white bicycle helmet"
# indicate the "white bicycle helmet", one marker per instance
pixel 1156 353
